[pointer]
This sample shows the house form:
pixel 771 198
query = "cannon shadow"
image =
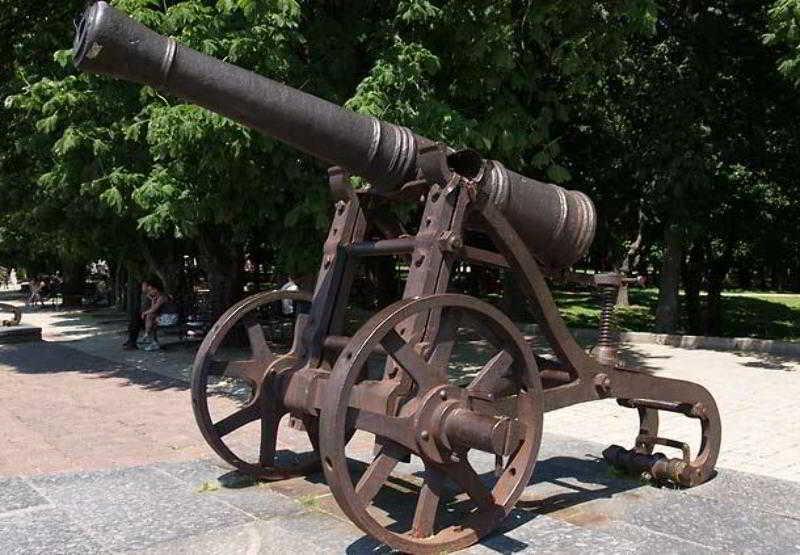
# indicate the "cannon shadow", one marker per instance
pixel 559 485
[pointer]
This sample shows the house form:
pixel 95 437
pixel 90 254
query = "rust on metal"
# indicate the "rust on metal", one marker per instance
pixel 394 380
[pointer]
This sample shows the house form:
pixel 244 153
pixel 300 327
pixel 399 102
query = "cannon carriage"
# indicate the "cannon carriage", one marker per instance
pixel 464 442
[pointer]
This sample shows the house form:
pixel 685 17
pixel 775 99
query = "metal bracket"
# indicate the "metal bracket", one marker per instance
pixel 339 182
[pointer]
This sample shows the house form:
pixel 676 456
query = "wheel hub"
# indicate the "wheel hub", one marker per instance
pixel 446 427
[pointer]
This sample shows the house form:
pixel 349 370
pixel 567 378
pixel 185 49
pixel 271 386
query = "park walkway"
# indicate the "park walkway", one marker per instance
pixel 101 454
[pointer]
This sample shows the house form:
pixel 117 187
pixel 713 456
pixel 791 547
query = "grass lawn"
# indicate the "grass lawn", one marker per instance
pixel 746 314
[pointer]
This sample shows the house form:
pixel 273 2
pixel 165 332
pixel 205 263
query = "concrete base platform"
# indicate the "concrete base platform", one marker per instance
pixel 19 334
pixel 573 505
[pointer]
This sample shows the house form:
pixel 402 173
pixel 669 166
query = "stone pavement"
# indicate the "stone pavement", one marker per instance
pixel 101 454
pixel 574 506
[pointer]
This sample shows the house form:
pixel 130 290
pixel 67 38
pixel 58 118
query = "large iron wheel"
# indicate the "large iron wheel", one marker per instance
pixel 441 418
pixel 247 382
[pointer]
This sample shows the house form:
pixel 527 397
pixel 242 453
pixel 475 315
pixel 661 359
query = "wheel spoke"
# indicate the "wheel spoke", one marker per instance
pixel 258 343
pixel 378 471
pixel 250 370
pixel 405 355
pixel 466 478
pixel 269 437
pixel 396 428
pixel 428 503
pixel 237 420
pixel 493 374
pixel 444 342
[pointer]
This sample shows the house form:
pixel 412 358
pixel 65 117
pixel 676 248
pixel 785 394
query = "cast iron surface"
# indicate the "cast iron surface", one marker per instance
pixel 500 409
pixel 256 399
pixel 387 383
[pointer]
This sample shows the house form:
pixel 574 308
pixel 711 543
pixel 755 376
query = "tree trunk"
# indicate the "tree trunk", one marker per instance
pixel 133 295
pixel 513 303
pixel 223 263
pixel 630 261
pixel 623 298
pixel 718 270
pixel 74 282
pixel 794 278
pixel 692 272
pixel 165 259
pixel 744 277
pixel 382 275
pixel 667 311
pixel 631 258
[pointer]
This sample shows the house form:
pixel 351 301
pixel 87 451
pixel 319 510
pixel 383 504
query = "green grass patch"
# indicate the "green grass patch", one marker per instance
pixel 745 313
pixel 310 502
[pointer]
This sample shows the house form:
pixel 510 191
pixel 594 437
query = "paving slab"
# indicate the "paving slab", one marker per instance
pixel 543 534
pixel 49 530
pixel 575 504
pixel 16 493
pixel 251 539
pixel 221 483
pixel 137 508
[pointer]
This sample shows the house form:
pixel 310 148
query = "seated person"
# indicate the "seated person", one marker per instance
pixel 161 312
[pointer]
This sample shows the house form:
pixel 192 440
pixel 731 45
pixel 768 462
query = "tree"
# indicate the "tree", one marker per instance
pixel 167 170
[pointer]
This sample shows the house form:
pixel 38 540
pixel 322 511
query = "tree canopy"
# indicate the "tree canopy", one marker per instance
pixel 678 118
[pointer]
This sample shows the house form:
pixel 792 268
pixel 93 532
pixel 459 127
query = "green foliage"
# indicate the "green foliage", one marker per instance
pixel 170 169
pixel 665 113
pixel 784 32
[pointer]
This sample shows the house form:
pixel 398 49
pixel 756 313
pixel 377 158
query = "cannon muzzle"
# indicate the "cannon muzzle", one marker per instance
pixel 556 224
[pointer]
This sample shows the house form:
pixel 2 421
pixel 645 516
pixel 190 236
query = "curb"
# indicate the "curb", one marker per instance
pixel 21 333
pixel 745 344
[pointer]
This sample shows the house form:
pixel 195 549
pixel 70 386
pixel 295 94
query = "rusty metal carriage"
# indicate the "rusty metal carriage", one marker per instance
pixel 408 402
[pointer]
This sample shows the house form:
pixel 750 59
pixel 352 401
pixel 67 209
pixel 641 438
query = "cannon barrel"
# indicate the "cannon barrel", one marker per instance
pixel 557 225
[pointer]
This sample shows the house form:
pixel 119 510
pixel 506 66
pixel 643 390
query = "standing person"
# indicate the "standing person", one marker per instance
pixel 288 304
pixel 36 292
pixel 136 324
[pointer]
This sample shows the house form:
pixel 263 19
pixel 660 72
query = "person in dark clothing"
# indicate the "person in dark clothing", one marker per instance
pixel 136 324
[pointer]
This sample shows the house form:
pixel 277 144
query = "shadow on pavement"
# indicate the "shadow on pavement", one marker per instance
pixel 766 361
pixel 560 483
pixel 51 358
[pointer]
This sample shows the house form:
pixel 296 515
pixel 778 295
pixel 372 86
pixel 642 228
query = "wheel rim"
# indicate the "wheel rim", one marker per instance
pixel 263 404
pixel 401 433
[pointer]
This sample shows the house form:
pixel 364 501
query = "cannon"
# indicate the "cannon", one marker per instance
pixel 439 392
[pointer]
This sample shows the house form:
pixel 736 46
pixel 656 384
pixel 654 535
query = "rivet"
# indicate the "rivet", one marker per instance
pixel 443 395
pixel 424 435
